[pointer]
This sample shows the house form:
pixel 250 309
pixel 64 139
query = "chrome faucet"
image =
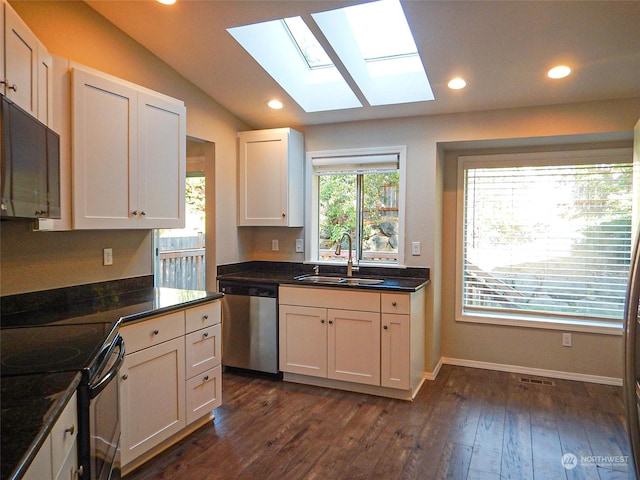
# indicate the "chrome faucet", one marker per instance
pixel 339 250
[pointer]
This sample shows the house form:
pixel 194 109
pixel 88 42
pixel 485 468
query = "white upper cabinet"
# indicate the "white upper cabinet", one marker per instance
pixel 161 162
pixel 45 87
pixel 129 155
pixel 24 62
pixel 271 178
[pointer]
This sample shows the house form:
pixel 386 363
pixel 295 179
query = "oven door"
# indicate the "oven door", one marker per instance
pixel 104 419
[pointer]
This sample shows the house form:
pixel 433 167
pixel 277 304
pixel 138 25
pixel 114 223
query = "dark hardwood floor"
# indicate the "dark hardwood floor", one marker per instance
pixel 468 424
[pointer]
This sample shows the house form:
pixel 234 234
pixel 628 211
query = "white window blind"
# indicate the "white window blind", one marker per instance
pixel 374 163
pixel 546 235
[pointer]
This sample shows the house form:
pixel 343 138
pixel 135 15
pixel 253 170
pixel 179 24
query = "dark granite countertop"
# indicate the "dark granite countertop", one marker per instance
pixel 30 404
pixel 408 279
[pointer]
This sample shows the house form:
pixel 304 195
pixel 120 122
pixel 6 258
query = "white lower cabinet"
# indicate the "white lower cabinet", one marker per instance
pixel 204 356
pixel 336 343
pixel 353 346
pixel 395 351
pixel 353 337
pixel 171 378
pixel 57 458
pixel 204 393
pixel 303 340
pixel 151 397
pixel 40 467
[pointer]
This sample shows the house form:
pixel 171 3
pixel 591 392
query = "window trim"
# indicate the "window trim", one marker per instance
pixel 557 157
pixel 311 204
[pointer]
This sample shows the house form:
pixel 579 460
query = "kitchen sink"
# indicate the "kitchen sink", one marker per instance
pixel 338 280
pixel 320 279
pixel 362 281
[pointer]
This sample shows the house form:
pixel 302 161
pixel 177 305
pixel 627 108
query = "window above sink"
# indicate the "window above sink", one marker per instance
pixel 360 192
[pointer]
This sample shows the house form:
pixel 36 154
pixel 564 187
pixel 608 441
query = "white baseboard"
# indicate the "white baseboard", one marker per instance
pixel 433 375
pixel 580 377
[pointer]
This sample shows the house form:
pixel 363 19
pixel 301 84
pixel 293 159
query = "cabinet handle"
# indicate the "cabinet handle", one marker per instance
pixel 156 332
pixel 395 304
pixel 13 87
pixel 125 376
pixel 143 212
pixel 205 334
pixel 79 471
pixel 205 379
pixel 135 212
pixel 70 430
pixel 205 317
pixel 284 215
pixel 330 322
pixel 322 320
pixel 385 327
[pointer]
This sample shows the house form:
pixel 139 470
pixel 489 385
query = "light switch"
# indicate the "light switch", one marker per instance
pixel 107 256
pixel 274 245
pixel 415 248
pixel 299 245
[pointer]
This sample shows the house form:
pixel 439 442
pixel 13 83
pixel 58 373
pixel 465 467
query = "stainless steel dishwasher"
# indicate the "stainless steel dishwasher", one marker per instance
pixel 250 326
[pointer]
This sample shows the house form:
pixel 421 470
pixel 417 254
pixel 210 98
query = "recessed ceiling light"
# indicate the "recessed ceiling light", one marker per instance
pixel 166 2
pixel 560 71
pixel 456 83
pixel 275 104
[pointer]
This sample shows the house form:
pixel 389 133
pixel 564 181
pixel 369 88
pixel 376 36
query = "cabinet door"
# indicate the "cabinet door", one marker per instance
pixel 204 350
pixel 152 392
pixel 395 351
pixel 40 468
pixel 104 126
pixel 303 340
pixel 21 60
pixel 263 178
pixel 204 393
pixel 161 162
pixel 45 86
pixel 354 346
pixel 69 469
pixel 64 437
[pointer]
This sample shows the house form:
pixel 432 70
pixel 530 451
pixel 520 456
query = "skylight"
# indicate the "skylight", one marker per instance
pixel 373 42
pixel 307 43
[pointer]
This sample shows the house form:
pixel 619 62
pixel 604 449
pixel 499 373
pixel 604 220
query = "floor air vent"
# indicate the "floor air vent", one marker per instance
pixel 537 381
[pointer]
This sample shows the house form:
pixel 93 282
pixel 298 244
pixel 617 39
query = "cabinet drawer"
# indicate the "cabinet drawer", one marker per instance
pixel 396 303
pixel 339 298
pixel 203 316
pixel 204 350
pixel 153 331
pixel 204 393
pixel 63 434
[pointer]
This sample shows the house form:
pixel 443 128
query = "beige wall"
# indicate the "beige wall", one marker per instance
pixel 35 261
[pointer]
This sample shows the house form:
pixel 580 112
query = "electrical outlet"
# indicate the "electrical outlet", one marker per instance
pixel 299 245
pixel 566 339
pixel 274 245
pixel 415 248
pixel 107 256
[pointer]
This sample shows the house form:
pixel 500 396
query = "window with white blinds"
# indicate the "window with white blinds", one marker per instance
pixel 544 235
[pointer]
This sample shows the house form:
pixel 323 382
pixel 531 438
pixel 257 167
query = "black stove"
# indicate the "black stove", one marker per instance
pixel 54 348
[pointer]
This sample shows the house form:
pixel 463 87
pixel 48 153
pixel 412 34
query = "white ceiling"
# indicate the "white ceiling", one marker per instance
pixel 502 48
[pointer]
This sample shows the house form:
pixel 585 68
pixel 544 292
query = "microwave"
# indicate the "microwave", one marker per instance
pixel 30 165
